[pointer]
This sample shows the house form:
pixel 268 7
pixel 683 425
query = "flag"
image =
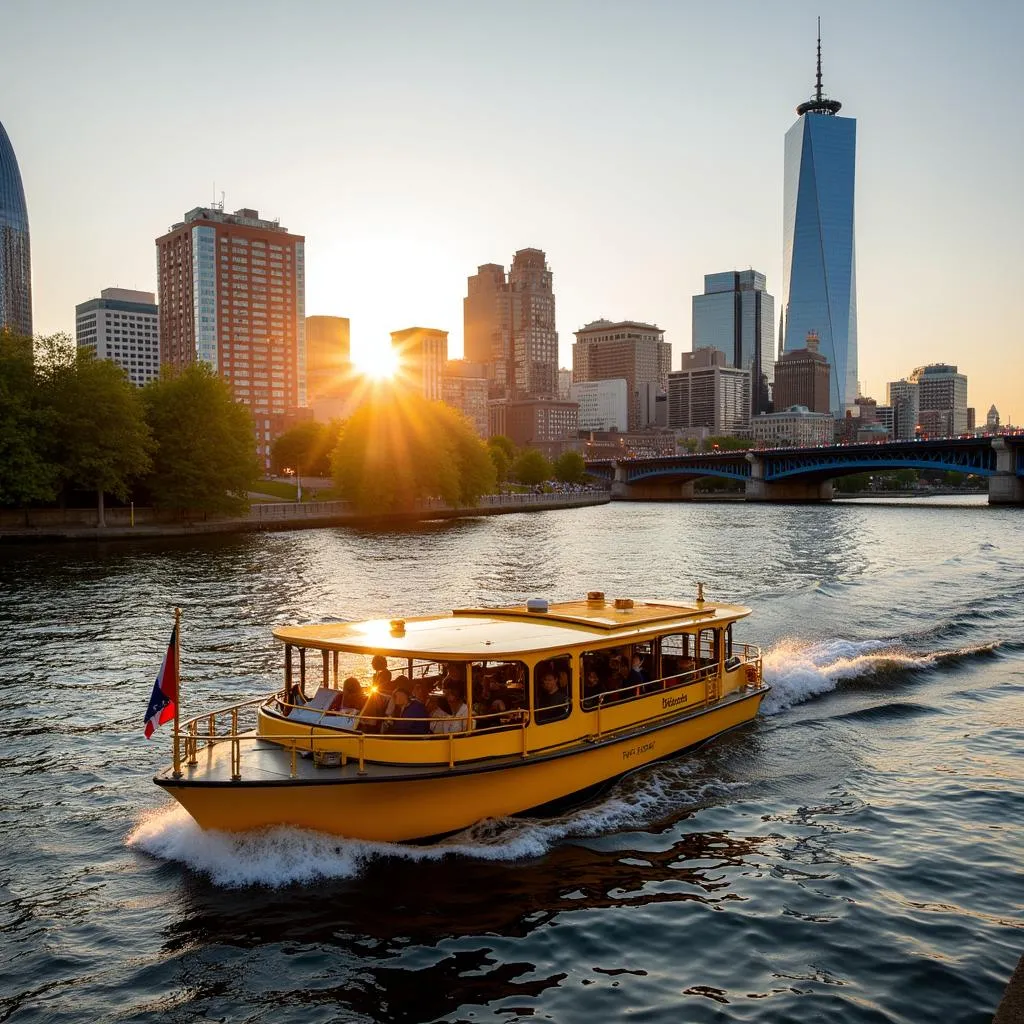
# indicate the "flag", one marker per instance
pixel 165 689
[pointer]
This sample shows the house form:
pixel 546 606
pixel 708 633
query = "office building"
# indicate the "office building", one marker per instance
pixel 564 383
pixel 533 421
pixel 625 350
pixel 15 255
pixel 942 399
pixel 992 420
pixel 603 404
pixel 509 325
pixel 796 427
pixel 884 417
pixel 464 387
pixel 232 289
pixel 819 268
pixel 707 392
pixel 421 354
pixel 902 397
pixel 737 316
pixel 328 358
pixel 122 326
pixel 802 377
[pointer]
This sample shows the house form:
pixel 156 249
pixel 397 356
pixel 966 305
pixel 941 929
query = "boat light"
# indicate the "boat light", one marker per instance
pixel 624 604
pixel 537 604
pixel 595 597
pixel 398 627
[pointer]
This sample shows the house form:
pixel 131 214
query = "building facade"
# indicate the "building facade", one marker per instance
pixel 707 392
pixel 464 387
pixel 232 290
pixel 902 397
pixel 802 378
pixel 123 326
pixel 796 427
pixel 737 316
pixel 421 353
pixel 328 357
pixel 819 266
pixel 509 326
pixel 625 350
pixel 533 421
pixel 15 251
pixel 603 404
pixel 942 399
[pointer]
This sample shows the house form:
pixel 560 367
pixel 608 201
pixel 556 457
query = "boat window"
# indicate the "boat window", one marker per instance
pixel 728 641
pixel 499 694
pixel 677 658
pixel 707 647
pixel 552 690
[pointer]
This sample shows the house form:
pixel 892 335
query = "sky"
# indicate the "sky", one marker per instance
pixel 639 144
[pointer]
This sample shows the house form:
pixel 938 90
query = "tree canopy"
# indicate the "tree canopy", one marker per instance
pixel 97 427
pixel 531 467
pixel 398 449
pixel 206 457
pixel 570 468
pixel 305 449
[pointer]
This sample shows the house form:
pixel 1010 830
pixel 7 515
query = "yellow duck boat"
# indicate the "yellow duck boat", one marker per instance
pixel 479 713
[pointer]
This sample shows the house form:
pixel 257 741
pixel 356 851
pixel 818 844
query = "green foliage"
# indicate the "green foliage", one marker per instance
pixel 206 458
pixel 853 483
pixel 96 424
pixel 501 462
pixel 26 473
pixel 570 468
pixel 726 443
pixel 305 449
pixel 505 445
pixel 531 467
pixel 399 449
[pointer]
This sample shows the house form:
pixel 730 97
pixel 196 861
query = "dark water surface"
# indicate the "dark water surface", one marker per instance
pixel 854 855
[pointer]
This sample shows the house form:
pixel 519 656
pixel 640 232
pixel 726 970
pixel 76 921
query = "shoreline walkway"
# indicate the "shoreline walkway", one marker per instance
pixel 276 516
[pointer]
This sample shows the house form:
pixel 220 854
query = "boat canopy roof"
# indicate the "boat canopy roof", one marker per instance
pixel 497 634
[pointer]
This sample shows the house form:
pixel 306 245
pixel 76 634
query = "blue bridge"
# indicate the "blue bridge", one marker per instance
pixel 806 474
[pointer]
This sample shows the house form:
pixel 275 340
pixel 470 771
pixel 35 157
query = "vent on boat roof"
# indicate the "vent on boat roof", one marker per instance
pixel 537 604
pixel 623 604
pixel 595 597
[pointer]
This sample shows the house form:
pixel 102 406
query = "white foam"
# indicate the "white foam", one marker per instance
pixel 283 856
pixel 798 671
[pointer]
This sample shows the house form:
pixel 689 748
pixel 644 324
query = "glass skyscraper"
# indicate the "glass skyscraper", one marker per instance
pixel 15 262
pixel 737 316
pixel 819 270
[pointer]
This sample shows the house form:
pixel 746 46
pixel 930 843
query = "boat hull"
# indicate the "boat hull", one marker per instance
pixel 395 807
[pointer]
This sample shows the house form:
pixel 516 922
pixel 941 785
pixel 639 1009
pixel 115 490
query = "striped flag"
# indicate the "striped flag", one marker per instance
pixel 165 689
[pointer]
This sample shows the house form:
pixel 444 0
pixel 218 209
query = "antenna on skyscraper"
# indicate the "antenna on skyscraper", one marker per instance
pixel 819 105
pixel 817 91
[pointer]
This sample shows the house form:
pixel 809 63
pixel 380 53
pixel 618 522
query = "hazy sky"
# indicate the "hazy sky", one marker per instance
pixel 640 144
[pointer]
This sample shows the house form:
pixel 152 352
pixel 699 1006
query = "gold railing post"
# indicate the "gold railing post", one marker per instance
pixel 362 766
pixel 236 748
pixel 451 750
pixel 193 743
pixel 522 729
pixel 294 764
pixel 176 753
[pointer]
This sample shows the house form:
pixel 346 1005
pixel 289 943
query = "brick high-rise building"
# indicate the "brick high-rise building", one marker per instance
pixel 628 350
pixel 509 325
pixel 422 353
pixel 802 378
pixel 232 289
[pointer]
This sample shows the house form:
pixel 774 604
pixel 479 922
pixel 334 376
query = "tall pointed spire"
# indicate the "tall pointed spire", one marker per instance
pixel 819 104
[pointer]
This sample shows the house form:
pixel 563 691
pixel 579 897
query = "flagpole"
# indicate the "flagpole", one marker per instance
pixel 177 691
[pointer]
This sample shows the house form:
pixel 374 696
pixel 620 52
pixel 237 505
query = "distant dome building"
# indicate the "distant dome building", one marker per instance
pixel 15 260
pixel 992 420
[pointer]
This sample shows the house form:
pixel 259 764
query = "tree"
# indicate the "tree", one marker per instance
pixel 206 452
pixel 504 445
pixel 500 461
pixel 726 443
pixel 305 449
pixel 397 450
pixel 531 467
pixel 570 468
pixel 26 473
pixel 97 428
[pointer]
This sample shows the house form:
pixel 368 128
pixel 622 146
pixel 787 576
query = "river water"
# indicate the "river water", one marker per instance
pixel 854 855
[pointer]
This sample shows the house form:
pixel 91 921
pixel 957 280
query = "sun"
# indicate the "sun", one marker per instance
pixel 378 362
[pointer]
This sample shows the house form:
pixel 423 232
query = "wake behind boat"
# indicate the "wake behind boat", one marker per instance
pixel 402 729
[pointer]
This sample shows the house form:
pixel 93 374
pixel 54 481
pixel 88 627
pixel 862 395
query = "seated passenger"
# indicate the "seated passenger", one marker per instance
pixel 377 707
pixel 350 697
pixel 551 701
pixel 458 716
pixel 410 717
pixel 638 674
pixel 592 689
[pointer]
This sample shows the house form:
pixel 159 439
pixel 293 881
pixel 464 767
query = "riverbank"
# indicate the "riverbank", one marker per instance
pixel 51 525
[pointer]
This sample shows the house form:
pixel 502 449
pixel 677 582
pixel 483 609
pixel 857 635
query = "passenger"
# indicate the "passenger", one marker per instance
pixel 457 719
pixel 410 716
pixel 639 676
pixel 592 689
pixel 350 697
pixel 551 702
pixel 378 706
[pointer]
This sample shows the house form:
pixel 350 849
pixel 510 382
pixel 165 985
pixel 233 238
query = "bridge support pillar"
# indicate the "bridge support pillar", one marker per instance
pixel 1005 488
pixel 651 491
pixel 759 489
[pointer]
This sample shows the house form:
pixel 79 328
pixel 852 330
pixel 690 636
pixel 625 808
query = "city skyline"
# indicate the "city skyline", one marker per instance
pixel 404 184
